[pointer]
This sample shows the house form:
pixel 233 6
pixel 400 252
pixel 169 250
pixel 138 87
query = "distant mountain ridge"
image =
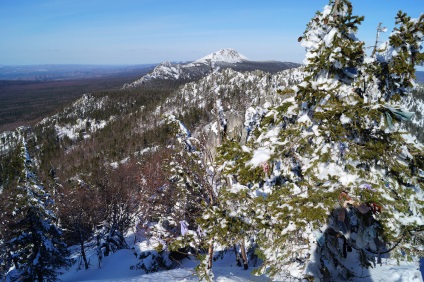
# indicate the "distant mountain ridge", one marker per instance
pixel 68 72
pixel 222 59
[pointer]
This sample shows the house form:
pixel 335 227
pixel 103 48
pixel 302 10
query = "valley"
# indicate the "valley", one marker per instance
pixel 25 102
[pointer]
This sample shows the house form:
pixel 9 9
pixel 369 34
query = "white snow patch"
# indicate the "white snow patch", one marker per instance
pixel 246 149
pixel 224 55
pixel 237 187
pixel 345 120
pixel 328 39
pixel 304 118
pixel 260 156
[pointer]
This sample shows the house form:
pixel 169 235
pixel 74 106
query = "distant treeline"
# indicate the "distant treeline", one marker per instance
pixel 26 102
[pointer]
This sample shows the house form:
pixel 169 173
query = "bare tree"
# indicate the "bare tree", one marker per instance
pixel 78 210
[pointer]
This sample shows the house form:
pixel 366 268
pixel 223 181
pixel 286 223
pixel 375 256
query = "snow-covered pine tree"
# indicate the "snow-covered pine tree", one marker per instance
pixel 389 74
pixel 325 180
pixel 34 242
pixel 331 43
pixel 193 181
pixel 402 54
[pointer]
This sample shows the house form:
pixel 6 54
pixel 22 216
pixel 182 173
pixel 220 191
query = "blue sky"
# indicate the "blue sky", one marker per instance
pixel 151 31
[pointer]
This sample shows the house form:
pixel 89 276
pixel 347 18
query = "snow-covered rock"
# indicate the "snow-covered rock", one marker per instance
pixel 222 59
pixel 227 55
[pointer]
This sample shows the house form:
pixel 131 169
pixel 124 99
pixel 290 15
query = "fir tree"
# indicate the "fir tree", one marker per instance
pixel 390 74
pixel 331 43
pixel 35 242
pixel 328 177
pixel 193 182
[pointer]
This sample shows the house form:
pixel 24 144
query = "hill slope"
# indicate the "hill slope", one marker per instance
pixel 111 130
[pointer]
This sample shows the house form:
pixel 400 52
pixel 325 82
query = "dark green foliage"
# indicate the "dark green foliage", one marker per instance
pixel 332 163
pixel 26 102
pixel 345 52
pixel 34 242
pixel 10 169
pixel 153 261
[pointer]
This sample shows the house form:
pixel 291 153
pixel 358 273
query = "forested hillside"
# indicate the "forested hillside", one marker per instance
pixel 26 102
pixel 310 173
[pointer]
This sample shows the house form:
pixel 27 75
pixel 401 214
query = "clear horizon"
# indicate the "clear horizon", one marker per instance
pixel 134 32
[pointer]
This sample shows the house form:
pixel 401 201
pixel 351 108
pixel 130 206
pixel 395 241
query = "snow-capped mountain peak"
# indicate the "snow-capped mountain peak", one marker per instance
pixel 222 59
pixel 224 55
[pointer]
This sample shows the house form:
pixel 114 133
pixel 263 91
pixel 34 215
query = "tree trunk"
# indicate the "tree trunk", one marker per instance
pixel 210 255
pixel 243 255
pixel 84 258
pixel 238 259
pixel 39 275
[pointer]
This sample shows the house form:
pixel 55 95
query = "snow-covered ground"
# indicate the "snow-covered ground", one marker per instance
pixel 117 268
